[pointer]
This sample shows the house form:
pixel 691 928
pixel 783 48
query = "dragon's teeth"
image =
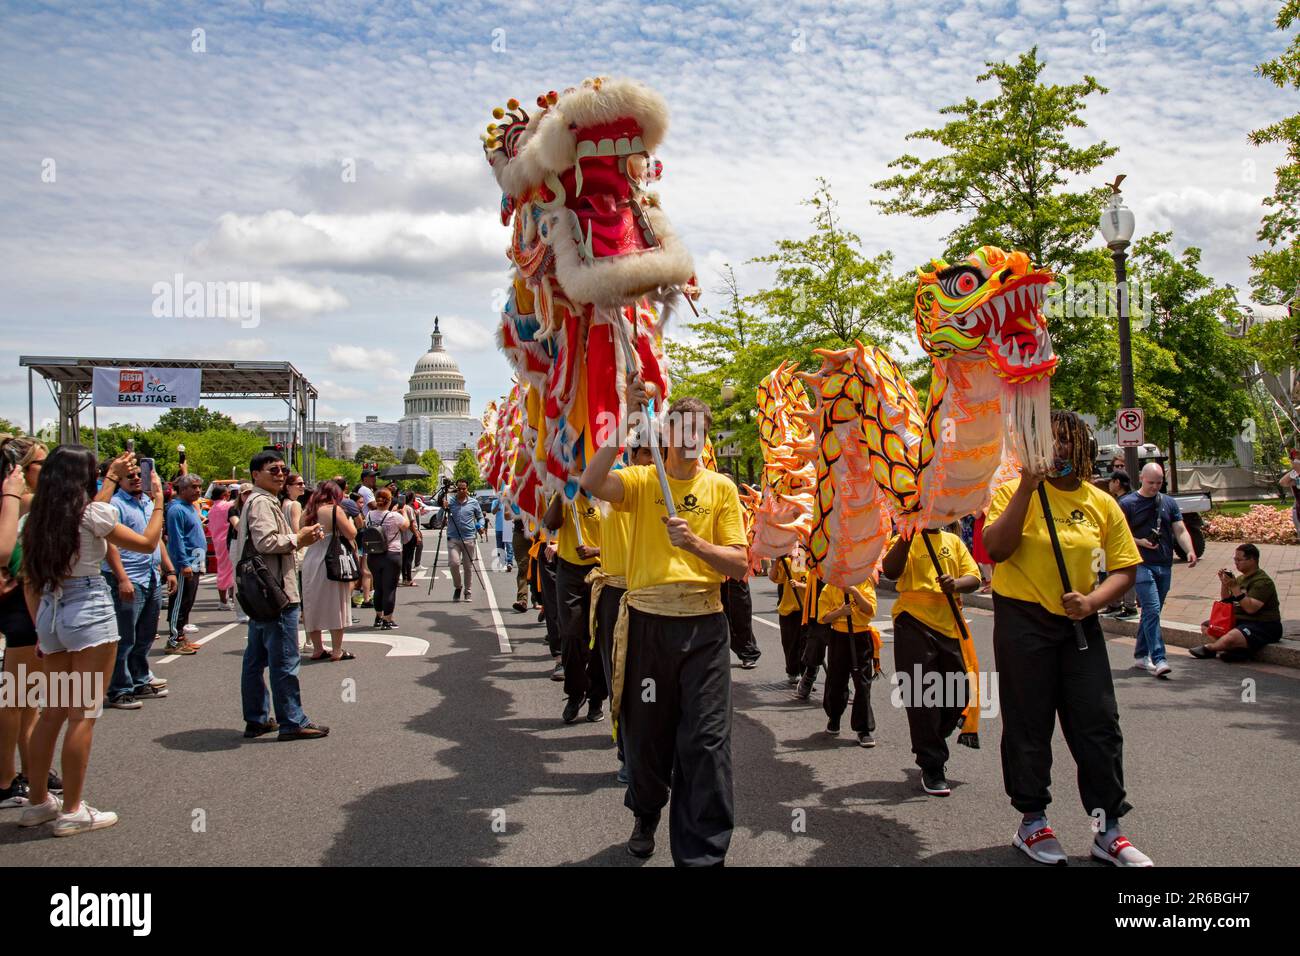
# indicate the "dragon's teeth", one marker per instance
pixel 1000 303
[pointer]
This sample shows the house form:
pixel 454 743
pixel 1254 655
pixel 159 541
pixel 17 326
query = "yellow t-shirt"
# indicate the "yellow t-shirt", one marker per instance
pixel 1093 535
pixel 711 507
pixel 614 526
pixel 566 542
pixel 918 586
pixel 790 602
pixel 829 597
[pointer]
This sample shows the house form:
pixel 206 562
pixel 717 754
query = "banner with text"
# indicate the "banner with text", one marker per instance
pixel 148 387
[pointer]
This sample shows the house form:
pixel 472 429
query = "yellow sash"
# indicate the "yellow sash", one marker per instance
pixel 681 599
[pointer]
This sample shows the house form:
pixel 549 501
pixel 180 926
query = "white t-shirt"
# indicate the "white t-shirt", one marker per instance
pixel 367 499
pixel 97 521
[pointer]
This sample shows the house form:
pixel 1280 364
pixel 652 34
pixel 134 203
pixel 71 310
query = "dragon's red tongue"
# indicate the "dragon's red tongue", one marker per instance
pixel 602 207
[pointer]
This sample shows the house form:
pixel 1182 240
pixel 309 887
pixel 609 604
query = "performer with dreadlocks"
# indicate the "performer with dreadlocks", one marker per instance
pixel 673 641
pixel 1048 646
pixel 927 642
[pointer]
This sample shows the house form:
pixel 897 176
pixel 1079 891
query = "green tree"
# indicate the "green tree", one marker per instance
pixel 197 419
pixel 9 428
pixel 380 455
pixel 327 468
pixel 410 456
pixel 215 453
pixel 1004 173
pixel 467 468
pixel 1190 372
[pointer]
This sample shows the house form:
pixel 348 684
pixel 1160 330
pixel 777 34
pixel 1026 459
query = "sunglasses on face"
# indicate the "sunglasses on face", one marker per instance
pixel 277 470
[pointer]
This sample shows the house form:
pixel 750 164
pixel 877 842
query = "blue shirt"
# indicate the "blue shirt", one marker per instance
pixel 1152 518
pixel 135 513
pixel 463 518
pixel 185 536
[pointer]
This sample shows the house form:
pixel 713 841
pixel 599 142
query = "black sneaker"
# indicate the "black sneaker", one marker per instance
pixel 595 712
pixel 14 795
pixel 1126 613
pixel 455 594
pixel 124 702
pixel 257 730
pixel 934 783
pixel 307 731
pixel 571 709
pixel 148 692
pixel 805 688
pixel 370 603
pixel 792 680
pixel 558 672
pixel 1202 653
pixel 641 844
pixel 53 782
pixel 541 615
pixel 379 621
pixel 520 606
pixel 833 727
pixel 866 740
pixel 750 664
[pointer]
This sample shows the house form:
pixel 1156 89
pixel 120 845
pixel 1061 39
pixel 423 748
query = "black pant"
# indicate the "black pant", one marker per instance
pixel 814 649
pixel 385 569
pixel 606 618
pixel 584 675
pixel 676 720
pixel 848 658
pixel 794 640
pixel 550 602
pixel 1042 674
pixel 739 608
pixel 410 559
pixel 920 651
pixel 186 592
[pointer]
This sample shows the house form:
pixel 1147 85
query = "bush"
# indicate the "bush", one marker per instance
pixel 1262 524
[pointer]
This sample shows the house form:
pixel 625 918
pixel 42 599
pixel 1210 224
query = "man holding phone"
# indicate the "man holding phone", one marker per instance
pixel 1291 482
pixel 136 582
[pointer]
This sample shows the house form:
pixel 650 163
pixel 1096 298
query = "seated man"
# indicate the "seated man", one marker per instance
pixel 1258 617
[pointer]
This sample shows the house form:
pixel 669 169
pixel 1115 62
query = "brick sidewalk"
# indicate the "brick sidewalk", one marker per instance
pixel 1194 589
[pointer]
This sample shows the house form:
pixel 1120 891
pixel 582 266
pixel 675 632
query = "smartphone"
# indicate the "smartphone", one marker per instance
pixel 146 476
pixel 130 444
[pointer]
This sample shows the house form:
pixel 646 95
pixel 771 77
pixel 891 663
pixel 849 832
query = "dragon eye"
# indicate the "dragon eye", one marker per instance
pixel 960 281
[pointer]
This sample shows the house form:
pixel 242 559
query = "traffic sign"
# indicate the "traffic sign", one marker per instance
pixel 1130 426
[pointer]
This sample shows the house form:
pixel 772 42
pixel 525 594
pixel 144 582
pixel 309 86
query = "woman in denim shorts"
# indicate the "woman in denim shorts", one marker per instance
pixel 64 542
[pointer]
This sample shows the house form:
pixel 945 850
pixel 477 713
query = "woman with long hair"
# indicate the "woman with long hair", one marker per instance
pixel 326 604
pixel 290 500
pixel 24 458
pixel 65 540
pixel 219 528
pixel 387 567
pixel 1038 620
pixel 412 540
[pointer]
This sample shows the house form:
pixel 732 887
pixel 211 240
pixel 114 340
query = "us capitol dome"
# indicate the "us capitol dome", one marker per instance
pixel 437 412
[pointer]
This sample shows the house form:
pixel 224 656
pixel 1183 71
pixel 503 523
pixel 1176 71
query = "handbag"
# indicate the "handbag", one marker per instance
pixel 257 589
pixel 1223 618
pixel 341 562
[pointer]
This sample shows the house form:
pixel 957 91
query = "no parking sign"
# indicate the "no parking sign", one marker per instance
pixel 1130 425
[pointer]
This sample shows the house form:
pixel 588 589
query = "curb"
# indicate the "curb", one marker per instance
pixel 1285 653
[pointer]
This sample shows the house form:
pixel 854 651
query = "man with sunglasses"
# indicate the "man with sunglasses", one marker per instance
pixel 274 644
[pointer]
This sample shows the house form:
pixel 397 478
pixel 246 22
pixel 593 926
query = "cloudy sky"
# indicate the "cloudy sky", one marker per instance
pixel 329 151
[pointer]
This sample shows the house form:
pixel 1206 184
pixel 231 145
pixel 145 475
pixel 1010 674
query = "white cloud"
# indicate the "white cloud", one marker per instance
pixel 294 299
pixel 360 358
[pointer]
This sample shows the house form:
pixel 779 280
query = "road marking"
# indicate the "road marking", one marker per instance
pixel 400 645
pixel 201 641
pixel 763 620
pixel 503 639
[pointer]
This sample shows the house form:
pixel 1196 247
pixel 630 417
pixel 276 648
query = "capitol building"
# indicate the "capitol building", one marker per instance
pixel 437 413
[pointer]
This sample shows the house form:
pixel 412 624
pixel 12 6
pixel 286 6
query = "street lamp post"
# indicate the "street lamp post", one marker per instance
pixel 1117 226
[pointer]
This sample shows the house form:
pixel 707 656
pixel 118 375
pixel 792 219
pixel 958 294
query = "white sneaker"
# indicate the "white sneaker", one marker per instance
pixel 1120 853
pixel 1041 846
pixel 86 818
pixel 35 814
pixel 1142 663
pixel 191 628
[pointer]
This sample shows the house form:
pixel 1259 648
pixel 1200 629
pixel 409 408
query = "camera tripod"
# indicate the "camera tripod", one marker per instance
pixel 433 573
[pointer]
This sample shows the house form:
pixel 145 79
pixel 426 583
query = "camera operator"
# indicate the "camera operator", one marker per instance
pixel 464 519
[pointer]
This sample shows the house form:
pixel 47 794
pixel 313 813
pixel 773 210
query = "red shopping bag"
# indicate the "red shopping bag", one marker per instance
pixel 1223 618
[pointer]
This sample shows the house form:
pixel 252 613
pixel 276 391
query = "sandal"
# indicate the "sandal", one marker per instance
pixel 320 657
pixel 346 656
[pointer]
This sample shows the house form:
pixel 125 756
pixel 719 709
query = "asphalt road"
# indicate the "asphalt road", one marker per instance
pixel 456 755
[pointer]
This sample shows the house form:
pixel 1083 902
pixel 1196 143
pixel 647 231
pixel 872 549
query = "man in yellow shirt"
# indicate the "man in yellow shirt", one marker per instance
pixel 576 524
pixel 789 609
pixel 676 708
pixel 609 582
pixel 852 647
pixel 927 643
